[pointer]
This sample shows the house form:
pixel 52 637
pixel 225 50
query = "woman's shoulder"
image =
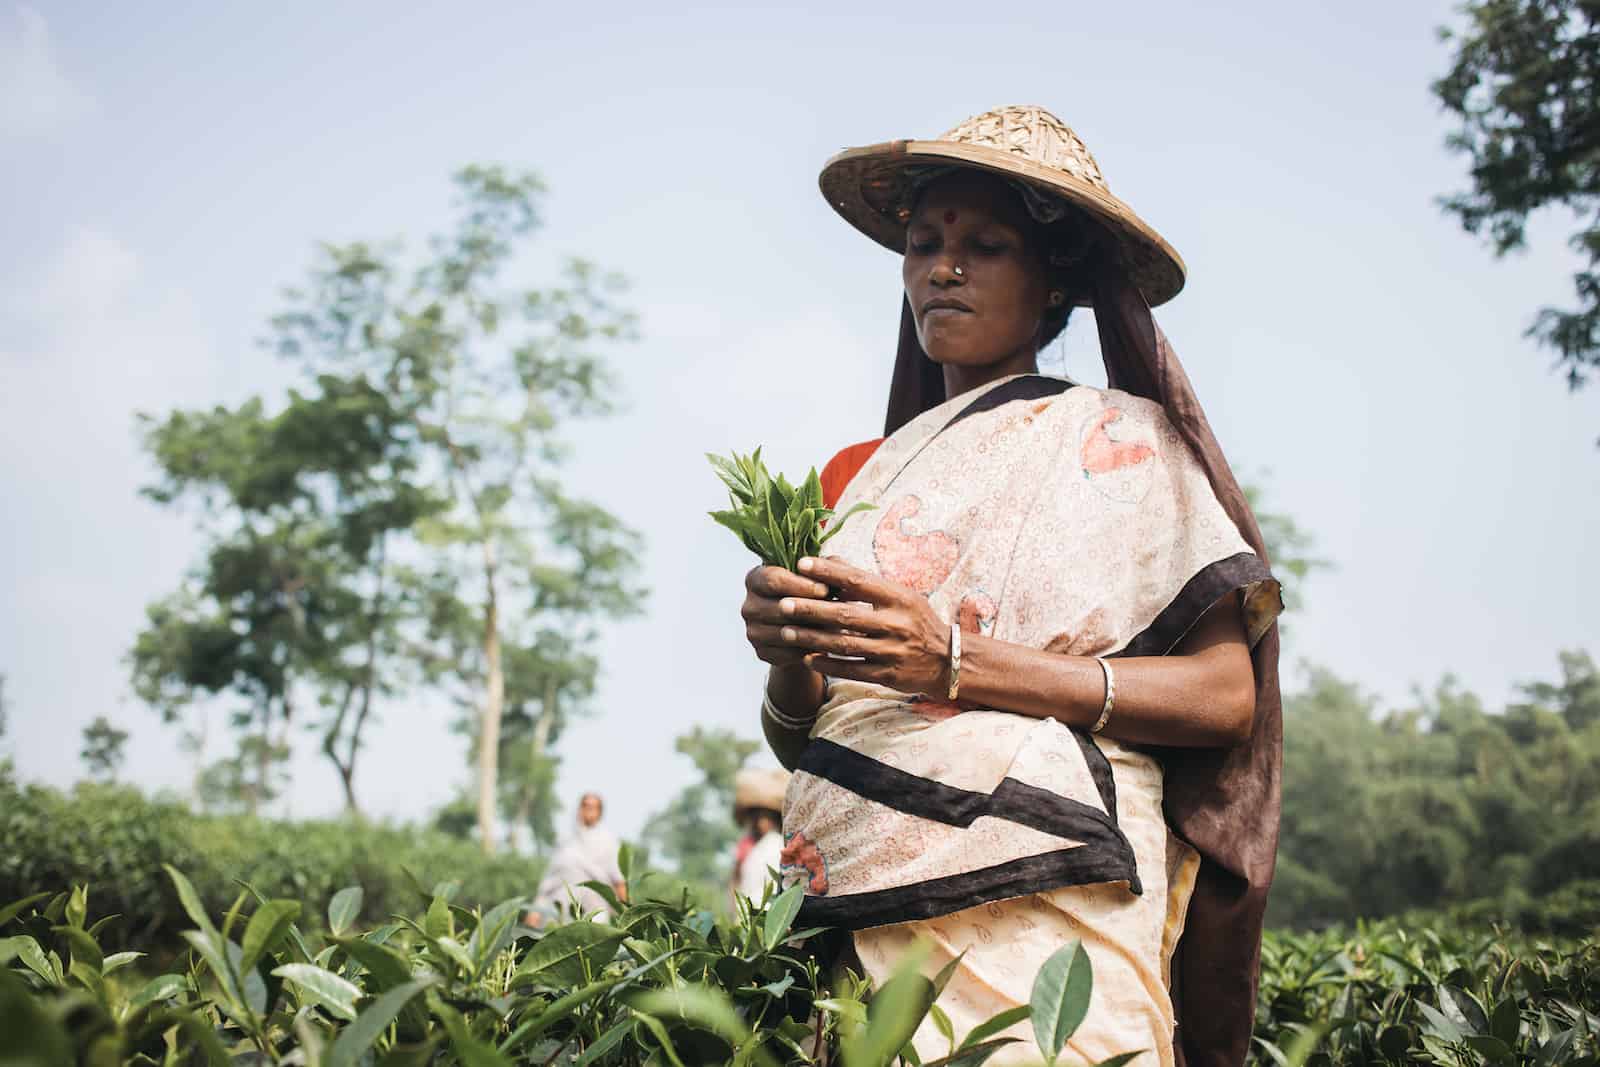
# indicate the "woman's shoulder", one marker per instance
pixel 845 465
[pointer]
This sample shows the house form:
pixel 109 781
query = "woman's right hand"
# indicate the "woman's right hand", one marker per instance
pixel 764 590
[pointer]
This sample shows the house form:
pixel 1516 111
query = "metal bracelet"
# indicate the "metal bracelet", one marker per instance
pixel 955 662
pixel 789 722
pixel 1111 697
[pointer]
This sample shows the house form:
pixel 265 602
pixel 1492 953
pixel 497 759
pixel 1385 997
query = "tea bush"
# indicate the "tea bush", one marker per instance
pixel 662 983
pixel 116 839
pixel 1395 993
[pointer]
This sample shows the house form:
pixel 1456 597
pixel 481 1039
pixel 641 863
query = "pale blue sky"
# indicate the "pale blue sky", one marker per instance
pixel 168 168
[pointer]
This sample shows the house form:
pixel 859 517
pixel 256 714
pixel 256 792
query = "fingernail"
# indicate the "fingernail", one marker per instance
pixel 786 606
pixel 807 563
pixel 789 634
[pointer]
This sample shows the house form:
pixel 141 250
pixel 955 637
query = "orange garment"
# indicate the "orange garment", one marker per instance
pixel 844 466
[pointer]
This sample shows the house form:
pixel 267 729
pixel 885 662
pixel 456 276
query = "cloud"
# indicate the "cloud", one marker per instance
pixel 35 96
pixel 94 338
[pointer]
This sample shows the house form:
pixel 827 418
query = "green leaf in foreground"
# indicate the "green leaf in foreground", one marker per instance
pixel 323 987
pixel 1060 998
pixel 895 1012
pixel 343 909
pixel 994 1025
pixel 556 959
pixel 266 928
pixel 360 1035
pixel 780 916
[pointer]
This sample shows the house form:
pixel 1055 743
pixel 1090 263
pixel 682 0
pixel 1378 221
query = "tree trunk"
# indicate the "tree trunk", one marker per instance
pixel 369 675
pixel 493 704
pixel 330 743
pixel 538 741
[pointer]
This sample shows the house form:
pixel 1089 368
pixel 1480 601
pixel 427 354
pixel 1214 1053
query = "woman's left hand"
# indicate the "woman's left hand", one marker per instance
pixel 890 632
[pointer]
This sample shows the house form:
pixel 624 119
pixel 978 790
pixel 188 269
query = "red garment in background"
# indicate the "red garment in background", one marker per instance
pixel 844 466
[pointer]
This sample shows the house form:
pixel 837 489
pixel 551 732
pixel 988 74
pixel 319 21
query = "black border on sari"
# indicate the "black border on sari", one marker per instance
pixel 1104 855
pixel 1208 585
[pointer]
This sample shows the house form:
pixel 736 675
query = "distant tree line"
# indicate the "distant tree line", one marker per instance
pixel 1442 802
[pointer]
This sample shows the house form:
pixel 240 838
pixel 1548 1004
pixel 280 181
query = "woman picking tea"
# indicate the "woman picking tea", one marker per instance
pixel 1031 696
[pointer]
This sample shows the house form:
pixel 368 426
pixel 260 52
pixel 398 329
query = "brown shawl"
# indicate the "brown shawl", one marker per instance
pixel 1224 802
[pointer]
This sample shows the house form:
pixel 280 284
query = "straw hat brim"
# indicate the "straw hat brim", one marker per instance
pixel 847 179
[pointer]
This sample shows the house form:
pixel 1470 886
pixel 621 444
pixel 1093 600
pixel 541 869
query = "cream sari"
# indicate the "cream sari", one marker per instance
pixel 1057 517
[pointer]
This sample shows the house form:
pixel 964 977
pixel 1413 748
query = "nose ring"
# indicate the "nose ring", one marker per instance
pixel 960 273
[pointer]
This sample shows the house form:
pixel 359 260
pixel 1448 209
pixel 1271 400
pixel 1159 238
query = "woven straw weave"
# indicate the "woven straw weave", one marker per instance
pixel 1033 134
pixel 874 187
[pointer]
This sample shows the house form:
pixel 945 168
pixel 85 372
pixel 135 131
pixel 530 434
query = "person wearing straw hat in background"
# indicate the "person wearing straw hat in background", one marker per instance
pixel 757 807
pixel 1035 699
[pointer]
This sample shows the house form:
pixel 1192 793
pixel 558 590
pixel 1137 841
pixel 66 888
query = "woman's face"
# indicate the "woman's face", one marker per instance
pixel 990 312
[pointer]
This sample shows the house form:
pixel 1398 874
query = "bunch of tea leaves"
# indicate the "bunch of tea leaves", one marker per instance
pixel 779 522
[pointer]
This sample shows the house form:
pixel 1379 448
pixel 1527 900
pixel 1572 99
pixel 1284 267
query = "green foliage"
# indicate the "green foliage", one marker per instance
pixel 440 983
pixel 779 522
pixel 102 748
pixel 116 839
pixel 1439 804
pixel 695 832
pixel 1522 85
pixel 398 520
pixel 1402 993
pixel 1289 548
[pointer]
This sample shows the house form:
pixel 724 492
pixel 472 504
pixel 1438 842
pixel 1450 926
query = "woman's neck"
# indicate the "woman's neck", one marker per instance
pixel 960 379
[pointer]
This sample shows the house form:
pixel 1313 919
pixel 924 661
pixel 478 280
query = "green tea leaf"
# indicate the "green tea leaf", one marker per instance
pixel 83 946
pixel 322 987
pixel 360 1035
pixel 558 1010
pixel 604 1043
pixel 161 987
pixel 16 907
pixel 268 926
pixel 780 916
pixel 437 922
pixel 973 1055
pixel 1060 999
pixel 191 902
pixel 895 1012
pixel 343 909
pixel 1005 1020
pixel 28 951
pixel 555 958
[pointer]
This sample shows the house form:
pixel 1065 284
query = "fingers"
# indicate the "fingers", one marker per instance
pixel 770 647
pixel 775 582
pixel 852 583
pixel 838 615
pixel 850 669
pixel 838 644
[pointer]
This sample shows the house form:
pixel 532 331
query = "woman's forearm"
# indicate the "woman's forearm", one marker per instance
pixel 1201 696
pixel 797 692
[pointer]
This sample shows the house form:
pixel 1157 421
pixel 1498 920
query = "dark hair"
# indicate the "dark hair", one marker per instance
pixel 598 799
pixel 1067 248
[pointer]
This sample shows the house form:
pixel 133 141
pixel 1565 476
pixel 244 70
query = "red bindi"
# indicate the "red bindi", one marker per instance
pixel 949 217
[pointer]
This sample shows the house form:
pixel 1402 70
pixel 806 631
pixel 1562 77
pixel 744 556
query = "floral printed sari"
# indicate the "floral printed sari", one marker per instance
pixel 1058 517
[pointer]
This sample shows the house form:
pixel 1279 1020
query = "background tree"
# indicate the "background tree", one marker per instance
pixel 481 379
pixel 1443 801
pixel 695 832
pixel 1289 547
pixel 1524 84
pixel 102 752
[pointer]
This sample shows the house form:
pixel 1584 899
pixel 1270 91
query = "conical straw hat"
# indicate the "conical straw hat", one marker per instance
pixel 759 787
pixel 874 187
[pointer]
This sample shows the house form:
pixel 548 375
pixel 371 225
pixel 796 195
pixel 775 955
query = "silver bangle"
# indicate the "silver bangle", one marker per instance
pixel 955 662
pixel 789 722
pixel 1111 697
